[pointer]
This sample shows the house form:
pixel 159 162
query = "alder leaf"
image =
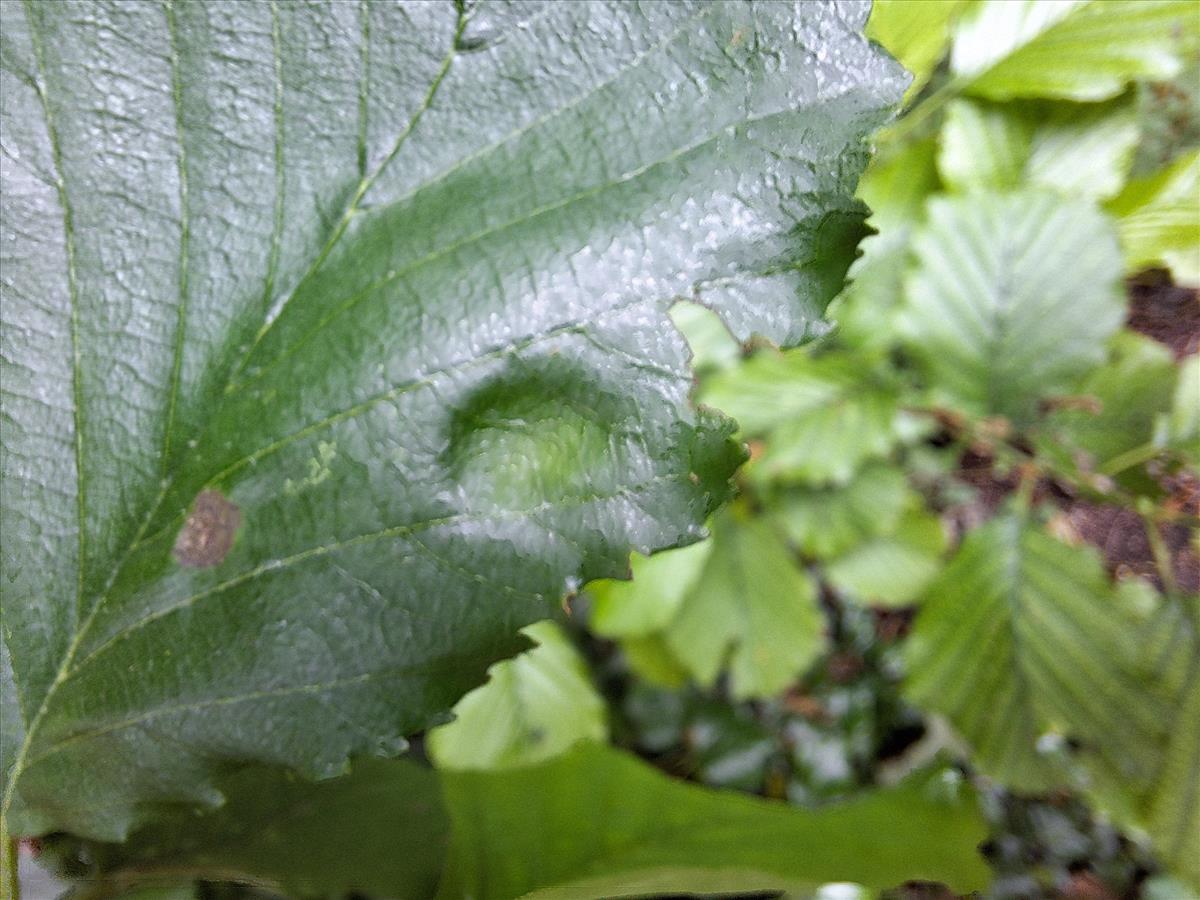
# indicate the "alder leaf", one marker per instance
pixel 336 347
pixel 1077 150
pixel 1055 677
pixel 1010 299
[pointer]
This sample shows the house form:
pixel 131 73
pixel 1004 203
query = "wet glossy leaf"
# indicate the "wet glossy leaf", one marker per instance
pixel 391 281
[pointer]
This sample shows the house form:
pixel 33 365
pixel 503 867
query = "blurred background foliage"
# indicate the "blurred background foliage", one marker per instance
pixel 956 602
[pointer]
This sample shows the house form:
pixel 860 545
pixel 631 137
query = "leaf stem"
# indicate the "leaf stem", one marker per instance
pixel 1130 458
pixel 10 886
pixel 1162 556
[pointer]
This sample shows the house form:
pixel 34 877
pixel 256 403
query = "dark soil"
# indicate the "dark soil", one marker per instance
pixel 1166 312
pixel 1121 536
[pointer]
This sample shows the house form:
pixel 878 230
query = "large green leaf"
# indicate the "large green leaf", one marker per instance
pixel 1174 799
pixel 1070 49
pixel 595 822
pixel 533 707
pixel 1160 790
pixel 599 823
pixel 1011 299
pixel 379 294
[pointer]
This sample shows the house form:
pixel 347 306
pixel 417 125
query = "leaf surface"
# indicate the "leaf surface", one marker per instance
pixel 893 568
pixel 827 522
pixel 336 348
pixel 1070 49
pixel 620 828
pixel 1010 299
pixel 380 830
pixel 738 602
pixel 1025 646
pixel 823 416
pixel 915 33
pixel 1125 400
pixel 1084 151
pixel 594 822
pixel 1157 221
pixel 532 707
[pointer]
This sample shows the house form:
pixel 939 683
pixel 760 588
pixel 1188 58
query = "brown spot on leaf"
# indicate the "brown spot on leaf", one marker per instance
pixel 207 536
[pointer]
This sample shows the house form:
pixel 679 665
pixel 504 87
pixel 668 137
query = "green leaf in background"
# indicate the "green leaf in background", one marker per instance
pixel 1131 393
pixel 653 597
pixel 892 568
pixel 1078 150
pixel 1156 791
pixel 1026 648
pixel 1158 222
pixel 897 183
pixel 1011 299
pixel 533 707
pixel 1070 49
pixel 1180 429
pixel 598 822
pixel 915 33
pixel 336 348
pixel 895 187
pixel 741 604
pixel 751 610
pixel 983 145
pixel 827 521
pixel 380 830
pixel 1174 811
pixel 712 346
pixel 824 415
